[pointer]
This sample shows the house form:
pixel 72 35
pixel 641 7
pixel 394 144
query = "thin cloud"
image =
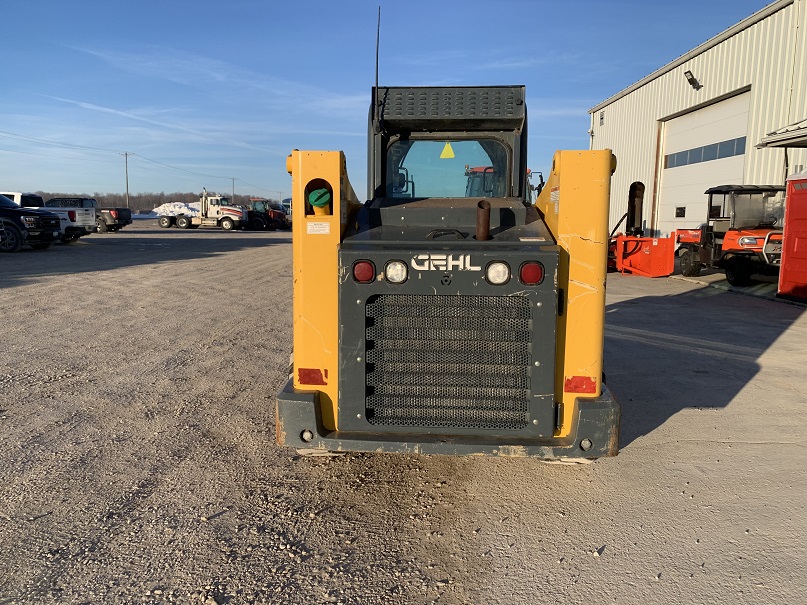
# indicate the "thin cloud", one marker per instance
pixel 198 71
pixel 167 125
pixel 433 59
pixel 517 61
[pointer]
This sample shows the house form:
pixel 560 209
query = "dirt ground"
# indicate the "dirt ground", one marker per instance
pixel 137 377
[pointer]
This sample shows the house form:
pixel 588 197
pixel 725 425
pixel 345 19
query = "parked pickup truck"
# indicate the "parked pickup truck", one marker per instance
pixel 106 219
pixel 33 226
pixel 75 222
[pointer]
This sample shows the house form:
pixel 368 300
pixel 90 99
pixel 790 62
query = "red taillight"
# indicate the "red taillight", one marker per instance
pixel 113 213
pixel 531 273
pixel 363 271
pixel 71 214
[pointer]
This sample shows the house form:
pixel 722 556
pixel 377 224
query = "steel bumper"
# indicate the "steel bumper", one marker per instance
pixel 595 433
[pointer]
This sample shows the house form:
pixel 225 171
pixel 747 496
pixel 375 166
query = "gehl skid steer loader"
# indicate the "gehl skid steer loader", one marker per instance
pixel 427 320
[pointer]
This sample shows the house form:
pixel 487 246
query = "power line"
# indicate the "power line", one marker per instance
pixel 21 137
pixel 259 188
pixel 59 157
pixel 210 176
pixel 30 139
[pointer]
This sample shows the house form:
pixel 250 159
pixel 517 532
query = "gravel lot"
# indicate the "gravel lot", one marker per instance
pixel 137 378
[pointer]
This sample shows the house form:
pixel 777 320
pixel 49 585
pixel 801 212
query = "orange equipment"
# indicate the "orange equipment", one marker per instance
pixel 645 256
pixel 793 271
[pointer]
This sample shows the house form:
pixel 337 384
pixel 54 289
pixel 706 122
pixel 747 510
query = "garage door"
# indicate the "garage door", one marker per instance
pixel 702 149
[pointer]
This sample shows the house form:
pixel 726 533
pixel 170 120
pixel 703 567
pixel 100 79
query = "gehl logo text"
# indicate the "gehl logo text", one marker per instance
pixel 444 262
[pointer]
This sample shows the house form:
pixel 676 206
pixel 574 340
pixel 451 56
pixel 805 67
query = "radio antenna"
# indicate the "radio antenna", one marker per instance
pixel 377 42
pixel 376 104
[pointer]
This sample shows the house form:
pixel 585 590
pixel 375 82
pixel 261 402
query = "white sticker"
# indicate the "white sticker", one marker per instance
pixel 532 239
pixel 318 228
pixel 554 196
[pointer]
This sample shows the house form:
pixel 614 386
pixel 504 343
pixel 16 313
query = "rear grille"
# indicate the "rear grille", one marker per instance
pixel 448 361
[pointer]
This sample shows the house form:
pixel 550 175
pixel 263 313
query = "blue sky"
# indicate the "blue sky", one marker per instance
pixel 201 92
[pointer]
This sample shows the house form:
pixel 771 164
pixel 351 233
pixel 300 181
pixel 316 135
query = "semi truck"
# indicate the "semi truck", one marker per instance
pixel 214 211
pixel 443 318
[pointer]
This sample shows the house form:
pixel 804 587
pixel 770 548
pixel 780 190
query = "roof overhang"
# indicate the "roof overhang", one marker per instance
pixel 794 135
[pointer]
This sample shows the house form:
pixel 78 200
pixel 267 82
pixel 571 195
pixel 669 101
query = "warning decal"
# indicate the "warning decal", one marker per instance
pixel 318 228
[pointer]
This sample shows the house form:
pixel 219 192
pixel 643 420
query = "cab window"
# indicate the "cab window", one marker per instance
pixel 447 168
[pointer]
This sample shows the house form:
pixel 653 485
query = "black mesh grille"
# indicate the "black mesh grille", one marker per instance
pixel 448 361
pixel 452 102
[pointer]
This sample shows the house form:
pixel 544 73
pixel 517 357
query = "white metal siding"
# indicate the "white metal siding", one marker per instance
pixel 683 186
pixel 768 58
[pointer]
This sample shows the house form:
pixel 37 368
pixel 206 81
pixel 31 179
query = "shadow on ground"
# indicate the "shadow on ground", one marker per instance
pixel 138 244
pixel 697 349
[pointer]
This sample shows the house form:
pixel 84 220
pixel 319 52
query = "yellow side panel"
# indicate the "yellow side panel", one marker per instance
pixel 315 243
pixel 575 203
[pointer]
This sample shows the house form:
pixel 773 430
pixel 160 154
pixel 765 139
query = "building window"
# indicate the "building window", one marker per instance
pixel 707 153
pixel 680 211
pixel 602 118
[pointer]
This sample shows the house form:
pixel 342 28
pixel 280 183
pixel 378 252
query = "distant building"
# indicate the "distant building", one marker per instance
pixel 696 122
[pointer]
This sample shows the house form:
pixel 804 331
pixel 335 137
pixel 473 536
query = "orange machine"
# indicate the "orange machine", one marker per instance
pixel 742 234
pixel 645 256
pixel 793 272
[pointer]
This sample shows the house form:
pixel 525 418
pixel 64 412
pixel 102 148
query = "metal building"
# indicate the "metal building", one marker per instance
pixel 696 122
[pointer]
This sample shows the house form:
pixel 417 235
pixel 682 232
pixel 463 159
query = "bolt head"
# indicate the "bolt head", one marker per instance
pixel 307 436
pixel 586 445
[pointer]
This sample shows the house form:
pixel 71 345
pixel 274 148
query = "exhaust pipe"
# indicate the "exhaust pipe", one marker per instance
pixel 483 220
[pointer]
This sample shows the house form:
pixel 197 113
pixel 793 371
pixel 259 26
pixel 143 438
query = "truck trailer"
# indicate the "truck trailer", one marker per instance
pixel 440 318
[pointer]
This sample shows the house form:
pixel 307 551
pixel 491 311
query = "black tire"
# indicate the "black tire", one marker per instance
pixel 183 222
pixel 256 223
pixel 100 225
pixel 227 224
pixel 41 246
pixel 69 239
pixel 165 222
pixel 738 271
pixel 690 264
pixel 12 241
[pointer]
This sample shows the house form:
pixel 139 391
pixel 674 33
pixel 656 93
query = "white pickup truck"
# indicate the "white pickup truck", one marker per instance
pixel 75 222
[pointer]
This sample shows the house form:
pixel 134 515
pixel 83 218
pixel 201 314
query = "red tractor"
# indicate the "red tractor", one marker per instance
pixel 742 234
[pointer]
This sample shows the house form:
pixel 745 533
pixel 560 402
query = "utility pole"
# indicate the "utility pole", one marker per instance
pixel 233 178
pixel 126 155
